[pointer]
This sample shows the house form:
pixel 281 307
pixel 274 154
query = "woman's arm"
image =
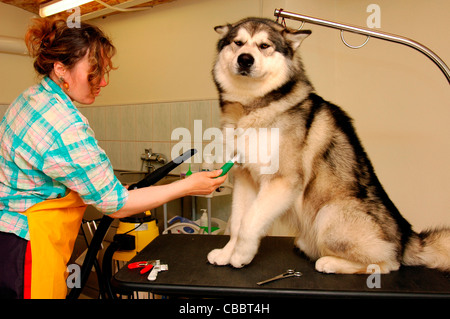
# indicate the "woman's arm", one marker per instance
pixel 143 199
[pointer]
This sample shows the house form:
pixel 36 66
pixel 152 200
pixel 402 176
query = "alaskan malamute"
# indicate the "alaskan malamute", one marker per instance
pixel 325 183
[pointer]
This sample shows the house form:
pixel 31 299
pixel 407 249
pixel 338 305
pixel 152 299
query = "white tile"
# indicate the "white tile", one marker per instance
pixel 144 122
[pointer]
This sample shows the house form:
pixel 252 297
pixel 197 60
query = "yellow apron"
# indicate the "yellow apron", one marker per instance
pixel 53 226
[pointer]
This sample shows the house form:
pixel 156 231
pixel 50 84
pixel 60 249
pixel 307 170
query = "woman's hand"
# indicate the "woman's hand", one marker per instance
pixel 143 199
pixel 204 183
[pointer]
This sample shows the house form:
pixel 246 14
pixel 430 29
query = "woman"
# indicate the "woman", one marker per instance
pixel 51 166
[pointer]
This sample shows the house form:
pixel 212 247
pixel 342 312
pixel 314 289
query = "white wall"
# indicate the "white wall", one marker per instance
pixel 16 71
pixel 398 98
pixel 166 54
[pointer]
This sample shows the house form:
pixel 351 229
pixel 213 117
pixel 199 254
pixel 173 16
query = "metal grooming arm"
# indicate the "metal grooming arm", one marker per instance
pixel 280 13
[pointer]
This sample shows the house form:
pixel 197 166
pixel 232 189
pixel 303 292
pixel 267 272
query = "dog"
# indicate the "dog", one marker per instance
pixel 325 184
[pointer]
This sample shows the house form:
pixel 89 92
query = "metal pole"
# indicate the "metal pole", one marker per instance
pixel 375 34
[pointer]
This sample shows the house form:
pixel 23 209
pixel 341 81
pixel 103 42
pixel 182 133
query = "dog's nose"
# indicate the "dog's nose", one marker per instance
pixel 245 60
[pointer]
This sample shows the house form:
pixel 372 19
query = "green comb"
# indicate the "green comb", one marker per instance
pixel 228 165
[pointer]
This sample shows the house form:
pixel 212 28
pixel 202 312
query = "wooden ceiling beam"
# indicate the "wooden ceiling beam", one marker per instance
pixel 89 10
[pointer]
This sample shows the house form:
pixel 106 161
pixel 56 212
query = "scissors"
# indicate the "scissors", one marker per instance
pixel 145 265
pixel 287 274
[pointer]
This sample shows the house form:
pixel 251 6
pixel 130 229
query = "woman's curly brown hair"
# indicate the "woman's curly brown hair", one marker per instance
pixel 51 40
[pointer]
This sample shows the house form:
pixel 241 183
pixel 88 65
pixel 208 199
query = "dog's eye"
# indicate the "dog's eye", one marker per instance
pixel 264 46
pixel 239 43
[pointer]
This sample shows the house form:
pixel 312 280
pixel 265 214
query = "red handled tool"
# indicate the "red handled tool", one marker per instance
pixel 145 265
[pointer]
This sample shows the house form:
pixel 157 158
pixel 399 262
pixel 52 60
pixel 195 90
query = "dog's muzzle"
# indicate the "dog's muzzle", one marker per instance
pixel 245 62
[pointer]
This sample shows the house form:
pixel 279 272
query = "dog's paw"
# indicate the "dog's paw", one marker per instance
pixel 219 257
pixel 240 260
pixel 326 264
pixel 336 265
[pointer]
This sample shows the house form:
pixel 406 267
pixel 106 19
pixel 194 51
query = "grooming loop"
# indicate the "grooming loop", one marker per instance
pixel 301 26
pixel 283 21
pixel 353 46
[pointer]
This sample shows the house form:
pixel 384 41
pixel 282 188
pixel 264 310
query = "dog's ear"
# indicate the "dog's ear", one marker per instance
pixel 295 38
pixel 222 29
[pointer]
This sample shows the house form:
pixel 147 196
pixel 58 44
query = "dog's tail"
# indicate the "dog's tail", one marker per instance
pixel 430 248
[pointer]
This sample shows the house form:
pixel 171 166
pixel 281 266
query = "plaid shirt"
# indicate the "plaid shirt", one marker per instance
pixel 46 148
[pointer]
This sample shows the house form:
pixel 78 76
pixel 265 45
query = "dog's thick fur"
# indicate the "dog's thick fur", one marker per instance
pixel 325 184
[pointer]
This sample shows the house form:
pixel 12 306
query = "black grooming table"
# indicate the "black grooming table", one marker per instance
pixel 191 275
